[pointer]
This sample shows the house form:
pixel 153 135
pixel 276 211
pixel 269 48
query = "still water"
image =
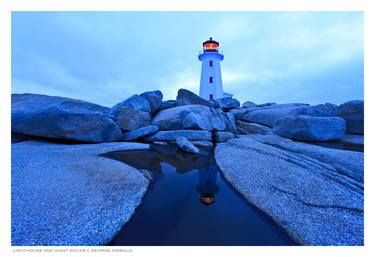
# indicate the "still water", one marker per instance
pixel 190 203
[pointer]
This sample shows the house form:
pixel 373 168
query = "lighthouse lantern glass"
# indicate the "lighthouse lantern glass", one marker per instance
pixel 210 47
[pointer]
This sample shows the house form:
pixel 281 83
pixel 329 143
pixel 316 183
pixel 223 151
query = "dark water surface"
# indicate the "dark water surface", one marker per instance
pixel 190 203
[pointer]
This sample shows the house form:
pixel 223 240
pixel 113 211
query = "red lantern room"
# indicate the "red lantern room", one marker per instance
pixel 210 46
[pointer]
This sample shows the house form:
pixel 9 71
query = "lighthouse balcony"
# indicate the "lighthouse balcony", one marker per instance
pixel 206 54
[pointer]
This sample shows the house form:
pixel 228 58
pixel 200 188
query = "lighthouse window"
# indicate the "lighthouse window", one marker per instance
pixel 210 63
pixel 210 79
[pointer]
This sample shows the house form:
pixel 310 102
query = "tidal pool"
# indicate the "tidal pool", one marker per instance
pixel 190 203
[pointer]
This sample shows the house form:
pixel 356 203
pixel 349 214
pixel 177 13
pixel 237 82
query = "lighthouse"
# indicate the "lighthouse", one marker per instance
pixel 211 86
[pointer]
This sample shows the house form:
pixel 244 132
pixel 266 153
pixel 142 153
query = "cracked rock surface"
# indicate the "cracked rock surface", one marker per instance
pixel 69 195
pixel 314 193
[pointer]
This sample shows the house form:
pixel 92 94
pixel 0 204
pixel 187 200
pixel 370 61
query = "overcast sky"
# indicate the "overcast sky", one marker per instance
pixel 105 57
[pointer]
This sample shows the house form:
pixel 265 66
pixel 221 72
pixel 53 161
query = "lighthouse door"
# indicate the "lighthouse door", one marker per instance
pixel 211 97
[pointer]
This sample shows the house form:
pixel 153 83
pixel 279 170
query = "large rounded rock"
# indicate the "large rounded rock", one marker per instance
pixel 353 113
pixel 60 117
pixel 135 102
pixel 186 97
pixel 154 98
pixel 184 117
pixel 199 117
pixel 269 114
pixel 133 113
pixel 249 104
pixel 309 128
pixel 320 110
pixel 128 118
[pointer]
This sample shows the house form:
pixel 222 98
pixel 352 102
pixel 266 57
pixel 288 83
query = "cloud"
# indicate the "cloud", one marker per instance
pixel 106 57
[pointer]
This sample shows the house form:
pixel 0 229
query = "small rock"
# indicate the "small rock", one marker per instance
pixel 228 103
pixel 249 104
pixel 186 97
pixel 154 98
pixel 171 135
pixel 309 128
pixel 202 143
pixel 223 136
pixel 186 145
pixel 353 113
pixel 140 132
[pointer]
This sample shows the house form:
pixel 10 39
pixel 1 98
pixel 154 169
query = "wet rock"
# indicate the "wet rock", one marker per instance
pixel 68 195
pixel 223 136
pixel 167 104
pixel 140 132
pixel 253 128
pixel 353 113
pixel 171 135
pixel 186 97
pixel 186 145
pixel 314 193
pixel 249 104
pixel 64 118
pixel 154 98
pixel 128 118
pixel 228 103
pixel 309 128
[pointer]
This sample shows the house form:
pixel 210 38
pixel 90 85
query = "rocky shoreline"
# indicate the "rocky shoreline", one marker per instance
pixel 59 187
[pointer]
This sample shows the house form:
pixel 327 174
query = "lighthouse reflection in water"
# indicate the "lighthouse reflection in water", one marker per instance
pixel 189 203
pixel 207 186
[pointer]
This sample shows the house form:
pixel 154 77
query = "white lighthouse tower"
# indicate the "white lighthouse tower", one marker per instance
pixel 211 86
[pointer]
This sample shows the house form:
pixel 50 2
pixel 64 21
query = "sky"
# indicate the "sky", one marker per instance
pixel 105 57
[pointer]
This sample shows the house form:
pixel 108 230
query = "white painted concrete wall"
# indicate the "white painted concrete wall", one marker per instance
pixel 216 87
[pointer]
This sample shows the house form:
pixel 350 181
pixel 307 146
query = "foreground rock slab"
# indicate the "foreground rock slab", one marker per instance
pixel 68 195
pixel 314 193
